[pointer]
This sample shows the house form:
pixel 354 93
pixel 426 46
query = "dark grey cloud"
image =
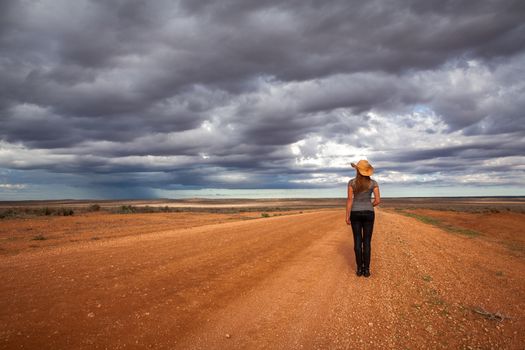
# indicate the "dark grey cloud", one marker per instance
pixel 259 94
pixel 466 152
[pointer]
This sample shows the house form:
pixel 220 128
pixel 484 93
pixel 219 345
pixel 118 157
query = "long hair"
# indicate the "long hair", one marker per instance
pixel 361 183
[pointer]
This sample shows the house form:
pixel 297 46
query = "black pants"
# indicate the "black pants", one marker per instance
pixel 362 226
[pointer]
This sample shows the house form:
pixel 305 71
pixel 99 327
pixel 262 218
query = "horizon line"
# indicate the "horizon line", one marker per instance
pixel 242 198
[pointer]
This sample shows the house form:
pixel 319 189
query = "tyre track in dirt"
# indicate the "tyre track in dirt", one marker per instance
pixel 274 283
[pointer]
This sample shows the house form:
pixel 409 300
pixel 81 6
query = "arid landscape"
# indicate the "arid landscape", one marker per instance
pixel 261 274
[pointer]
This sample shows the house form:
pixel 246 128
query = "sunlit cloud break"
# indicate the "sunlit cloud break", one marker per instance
pixel 12 186
pixel 260 98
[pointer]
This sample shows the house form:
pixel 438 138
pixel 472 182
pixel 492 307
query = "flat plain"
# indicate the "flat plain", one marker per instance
pixel 252 274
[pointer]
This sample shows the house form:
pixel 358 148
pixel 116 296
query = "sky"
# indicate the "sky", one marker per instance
pixel 257 98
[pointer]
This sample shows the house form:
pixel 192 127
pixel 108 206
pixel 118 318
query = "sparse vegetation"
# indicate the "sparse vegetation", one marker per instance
pixel 427 278
pixel 515 246
pixel 23 212
pixel 440 224
pixel 480 205
pixel 58 211
pixel 434 298
pixel 127 209
pixel 462 231
pixel 8 213
pixel 94 207
pixel 428 309
pixel 33 211
pixel 39 237
pixel 67 211
pixel 494 316
pixel 422 218
pixel 416 305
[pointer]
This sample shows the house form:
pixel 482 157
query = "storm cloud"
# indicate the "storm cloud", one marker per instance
pixel 167 95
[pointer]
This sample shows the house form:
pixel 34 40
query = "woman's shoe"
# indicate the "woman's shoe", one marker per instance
pixel 366 272
pixel 359 271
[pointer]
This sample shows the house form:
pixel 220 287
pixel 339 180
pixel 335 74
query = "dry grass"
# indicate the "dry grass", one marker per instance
pixel 440 224
pixel 491 205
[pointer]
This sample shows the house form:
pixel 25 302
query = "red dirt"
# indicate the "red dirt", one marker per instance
pixel 503 228
pixel 278 283
pixel 17 235
pixel 497 225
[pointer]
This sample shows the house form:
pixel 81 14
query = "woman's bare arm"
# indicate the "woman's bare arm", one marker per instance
pixel 349 201
pixel 377 196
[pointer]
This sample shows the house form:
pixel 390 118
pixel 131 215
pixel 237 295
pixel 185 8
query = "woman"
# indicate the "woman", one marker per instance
pixel 360 213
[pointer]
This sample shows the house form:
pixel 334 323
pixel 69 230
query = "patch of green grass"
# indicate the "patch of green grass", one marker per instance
pixel 427 278
pixel 422 218
pixel 265 215
pixel 461 231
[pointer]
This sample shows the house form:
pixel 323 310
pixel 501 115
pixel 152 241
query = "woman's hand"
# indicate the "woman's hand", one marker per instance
pixel 347 220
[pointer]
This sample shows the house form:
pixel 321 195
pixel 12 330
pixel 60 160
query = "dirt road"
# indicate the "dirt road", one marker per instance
pixel 284 282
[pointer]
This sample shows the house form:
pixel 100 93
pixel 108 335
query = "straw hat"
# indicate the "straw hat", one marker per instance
pixel 363 167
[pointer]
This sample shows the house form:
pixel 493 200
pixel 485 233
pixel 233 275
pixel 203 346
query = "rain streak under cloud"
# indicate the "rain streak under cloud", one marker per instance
pixel 147 98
